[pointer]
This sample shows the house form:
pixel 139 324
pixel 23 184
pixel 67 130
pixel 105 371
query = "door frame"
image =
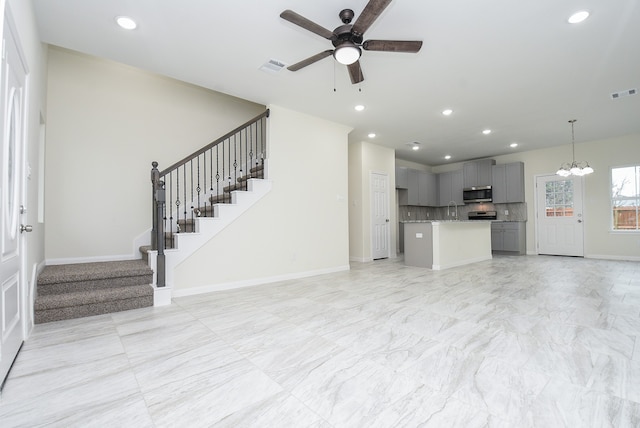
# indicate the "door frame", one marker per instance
pixel 535 212
pixel 371 212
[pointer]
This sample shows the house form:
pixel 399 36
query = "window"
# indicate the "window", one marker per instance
pixel 625 198
pixel 559 198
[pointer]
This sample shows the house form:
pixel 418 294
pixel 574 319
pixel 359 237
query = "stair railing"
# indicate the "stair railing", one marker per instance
pixel 191 187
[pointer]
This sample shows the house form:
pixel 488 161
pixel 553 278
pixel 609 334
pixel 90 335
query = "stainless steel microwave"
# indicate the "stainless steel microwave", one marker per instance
pixel 477 194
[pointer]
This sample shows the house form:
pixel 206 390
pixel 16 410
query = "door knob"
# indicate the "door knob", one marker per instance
pixel 579 221
pixel 387 220
pixel 26 228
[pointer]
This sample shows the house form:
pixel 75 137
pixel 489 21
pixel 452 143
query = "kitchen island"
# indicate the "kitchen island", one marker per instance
pixel 445 244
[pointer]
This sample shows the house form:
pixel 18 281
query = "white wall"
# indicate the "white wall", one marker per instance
pixel 106 123
pixel 365 158
pixel 600 242
pixel 298 229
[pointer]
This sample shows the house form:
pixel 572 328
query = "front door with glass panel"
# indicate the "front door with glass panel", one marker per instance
pixel 559 220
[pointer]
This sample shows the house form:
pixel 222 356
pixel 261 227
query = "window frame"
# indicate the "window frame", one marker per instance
pixel 612 199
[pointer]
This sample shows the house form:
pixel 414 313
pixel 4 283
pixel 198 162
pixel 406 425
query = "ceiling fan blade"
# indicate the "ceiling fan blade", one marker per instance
pixel 317 57
pixel 355 72
pixel 368 15
pixel 392 45
pixel 303 22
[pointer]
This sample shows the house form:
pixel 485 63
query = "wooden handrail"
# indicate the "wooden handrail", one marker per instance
pixel 213 144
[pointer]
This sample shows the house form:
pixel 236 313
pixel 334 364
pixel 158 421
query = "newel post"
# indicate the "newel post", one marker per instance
pixel 157 231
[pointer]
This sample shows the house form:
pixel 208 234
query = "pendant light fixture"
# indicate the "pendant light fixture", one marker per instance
pixel 579 168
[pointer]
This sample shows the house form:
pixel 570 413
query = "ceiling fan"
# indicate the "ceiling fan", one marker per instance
pixel 347 39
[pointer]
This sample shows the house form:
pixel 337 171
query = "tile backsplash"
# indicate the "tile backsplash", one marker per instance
pixel 517 212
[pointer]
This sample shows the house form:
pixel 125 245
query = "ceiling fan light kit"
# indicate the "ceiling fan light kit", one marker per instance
pixel 577 168
pixel 348 39
pixel 347 53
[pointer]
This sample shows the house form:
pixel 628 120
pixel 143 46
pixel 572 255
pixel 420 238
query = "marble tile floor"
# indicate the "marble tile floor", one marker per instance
pixel 528 341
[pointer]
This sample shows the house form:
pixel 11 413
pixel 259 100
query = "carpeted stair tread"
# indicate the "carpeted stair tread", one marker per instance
pixel 79 272
pixel 92 296
pixel 97 284
pixel 223 198
pixel 250 176
pixel 238 186
pixel 58 314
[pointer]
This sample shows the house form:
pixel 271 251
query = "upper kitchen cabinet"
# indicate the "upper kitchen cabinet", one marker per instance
pixel 477 173
pixel 427 189
pixel 508 183
pixel 402 177
pixel 421 189
pixel 450 185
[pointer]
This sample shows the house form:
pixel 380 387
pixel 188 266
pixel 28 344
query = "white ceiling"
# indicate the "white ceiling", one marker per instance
pixel 515 67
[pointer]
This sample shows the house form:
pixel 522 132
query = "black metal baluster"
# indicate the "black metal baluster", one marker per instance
pixel 223 167
pixel 235 159
pixel 251 151
pixel 198 189
pixel 185 200
pixel 171 243
pixel 240 149
pixel 204 183
pixel 211 179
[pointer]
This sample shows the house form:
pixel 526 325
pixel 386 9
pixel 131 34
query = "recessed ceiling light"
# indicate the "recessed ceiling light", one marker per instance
pixel 578 17
pixel 447 157
pixel 359 107
pixel 447 112
pixel 372 135
pixel 513 145
pixel 126 22
pixel 416 147
pixel 486 132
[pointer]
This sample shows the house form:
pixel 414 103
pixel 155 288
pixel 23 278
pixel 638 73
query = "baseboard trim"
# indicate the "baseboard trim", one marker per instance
pixel 72 260
pixel 360 259
pixel 252 282
pixel 610 257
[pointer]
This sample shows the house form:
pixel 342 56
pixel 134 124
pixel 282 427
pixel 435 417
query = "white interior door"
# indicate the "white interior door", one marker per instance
pixel 559 219
pixel 379 216
pixel 11 193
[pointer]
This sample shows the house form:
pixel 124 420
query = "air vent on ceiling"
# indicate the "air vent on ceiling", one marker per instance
pixel 624 93
pixel 272 66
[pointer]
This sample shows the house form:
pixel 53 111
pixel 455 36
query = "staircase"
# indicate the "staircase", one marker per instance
pixel 191 205
pixel 86 289
pixel 188 225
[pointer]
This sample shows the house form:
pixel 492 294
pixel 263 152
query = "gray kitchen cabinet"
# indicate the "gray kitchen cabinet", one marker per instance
pixel 508 237
pixel 421 189
pixel 508 183
pixel 450 185
pixel 477 173
pixel 427 189
pixel 402 177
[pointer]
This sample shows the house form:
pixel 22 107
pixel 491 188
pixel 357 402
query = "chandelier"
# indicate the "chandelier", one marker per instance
pixel 578 168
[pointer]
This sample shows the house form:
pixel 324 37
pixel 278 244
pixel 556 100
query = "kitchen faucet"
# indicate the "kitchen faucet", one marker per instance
pixel 449 211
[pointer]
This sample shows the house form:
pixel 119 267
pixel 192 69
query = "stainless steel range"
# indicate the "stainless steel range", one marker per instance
pixel 483 215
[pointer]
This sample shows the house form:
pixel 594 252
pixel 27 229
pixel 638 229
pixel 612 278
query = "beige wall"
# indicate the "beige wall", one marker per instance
pixel 364 159
pixel 600 242
pixel 300 227
pixel 106 123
